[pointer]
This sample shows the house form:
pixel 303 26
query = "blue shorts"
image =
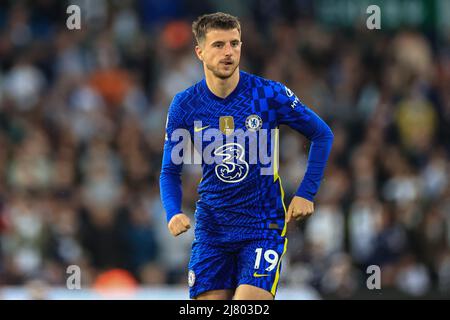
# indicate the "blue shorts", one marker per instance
pixel 226 266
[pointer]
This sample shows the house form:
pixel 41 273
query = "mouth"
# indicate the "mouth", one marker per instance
pixel 227 62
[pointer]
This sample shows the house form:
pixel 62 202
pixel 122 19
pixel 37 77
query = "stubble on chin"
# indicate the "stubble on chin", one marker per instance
pixel 223 75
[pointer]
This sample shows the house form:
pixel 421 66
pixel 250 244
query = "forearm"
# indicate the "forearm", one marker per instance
pixel 170 183
pixel 321 137
pixel 171 192
pixel 317 160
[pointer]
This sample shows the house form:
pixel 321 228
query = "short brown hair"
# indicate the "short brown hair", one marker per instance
pixel 218 20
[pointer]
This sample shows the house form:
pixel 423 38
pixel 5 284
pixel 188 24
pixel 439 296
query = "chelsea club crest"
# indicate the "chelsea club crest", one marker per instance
pixel 253 122
pixel 191 278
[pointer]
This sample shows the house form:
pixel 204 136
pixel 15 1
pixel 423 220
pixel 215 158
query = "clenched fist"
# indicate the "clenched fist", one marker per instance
pixel 178 224
pixel 299 208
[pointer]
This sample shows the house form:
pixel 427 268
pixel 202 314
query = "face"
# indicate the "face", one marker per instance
pixel 220 51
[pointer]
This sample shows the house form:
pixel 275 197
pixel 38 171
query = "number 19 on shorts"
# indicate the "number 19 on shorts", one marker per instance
pixel 270 256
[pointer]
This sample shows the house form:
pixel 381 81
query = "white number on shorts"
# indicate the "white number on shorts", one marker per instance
pixel 270 256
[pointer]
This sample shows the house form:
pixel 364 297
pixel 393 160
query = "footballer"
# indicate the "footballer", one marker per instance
pixel 241 219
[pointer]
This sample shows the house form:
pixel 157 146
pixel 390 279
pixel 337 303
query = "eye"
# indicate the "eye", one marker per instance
pixel 218 45
pixel 234 43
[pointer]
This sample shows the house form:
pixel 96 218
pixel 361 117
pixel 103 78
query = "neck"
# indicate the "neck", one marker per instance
pixel 222 87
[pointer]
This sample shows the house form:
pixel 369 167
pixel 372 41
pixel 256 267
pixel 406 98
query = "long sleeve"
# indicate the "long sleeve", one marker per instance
pixel 170 177
pixel 292 112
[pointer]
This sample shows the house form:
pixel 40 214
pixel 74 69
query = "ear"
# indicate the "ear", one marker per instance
pixel 199 52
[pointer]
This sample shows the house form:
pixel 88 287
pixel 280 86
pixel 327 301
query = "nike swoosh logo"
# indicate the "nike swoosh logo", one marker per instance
pixel 257 275
pixel 197 129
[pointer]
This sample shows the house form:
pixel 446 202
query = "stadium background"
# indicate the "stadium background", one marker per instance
pixel 82 116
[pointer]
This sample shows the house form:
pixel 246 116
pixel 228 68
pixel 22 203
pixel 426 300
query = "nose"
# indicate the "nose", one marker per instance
pixel 228 49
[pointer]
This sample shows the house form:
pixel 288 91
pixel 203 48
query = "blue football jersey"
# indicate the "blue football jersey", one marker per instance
pixel 241 196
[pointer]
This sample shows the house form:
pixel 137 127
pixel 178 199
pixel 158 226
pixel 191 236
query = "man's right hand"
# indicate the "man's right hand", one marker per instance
pixel 179 223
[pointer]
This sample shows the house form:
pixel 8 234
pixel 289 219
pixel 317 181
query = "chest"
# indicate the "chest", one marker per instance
pixel 227 117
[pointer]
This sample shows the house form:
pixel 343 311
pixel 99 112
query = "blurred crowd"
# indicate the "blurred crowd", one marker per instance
pixel 82 115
